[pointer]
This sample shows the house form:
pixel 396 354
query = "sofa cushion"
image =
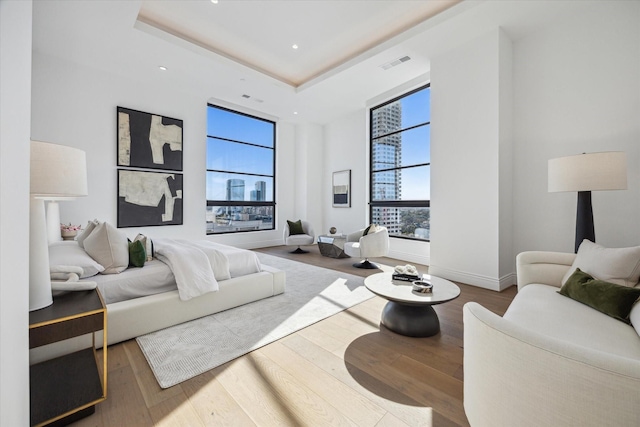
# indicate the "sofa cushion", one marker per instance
pixel 616 265
pixel 611 299
pixel 541 309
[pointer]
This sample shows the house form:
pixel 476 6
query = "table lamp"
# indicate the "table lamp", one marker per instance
pixel 57 172
pixel 585 173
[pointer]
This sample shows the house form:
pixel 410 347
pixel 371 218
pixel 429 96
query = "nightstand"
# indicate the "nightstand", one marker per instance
pixel 67 388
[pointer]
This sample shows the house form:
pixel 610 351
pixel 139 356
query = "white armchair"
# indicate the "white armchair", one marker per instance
pixel 299 239
pixel 372 244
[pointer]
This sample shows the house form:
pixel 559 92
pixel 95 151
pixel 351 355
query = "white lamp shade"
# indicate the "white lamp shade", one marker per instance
pixel 588 172
pixel 58 172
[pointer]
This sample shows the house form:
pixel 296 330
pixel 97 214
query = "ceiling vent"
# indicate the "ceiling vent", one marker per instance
pixel 395 62
pixel 246 96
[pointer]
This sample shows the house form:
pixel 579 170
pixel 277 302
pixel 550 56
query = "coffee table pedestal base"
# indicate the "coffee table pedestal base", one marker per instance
pixel 410 320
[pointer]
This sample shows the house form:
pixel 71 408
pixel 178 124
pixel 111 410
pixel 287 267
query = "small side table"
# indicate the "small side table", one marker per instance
pixel 67 388
pixel 332 245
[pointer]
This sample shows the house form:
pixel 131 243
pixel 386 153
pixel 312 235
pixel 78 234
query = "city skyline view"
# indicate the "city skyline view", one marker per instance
pixel 240 172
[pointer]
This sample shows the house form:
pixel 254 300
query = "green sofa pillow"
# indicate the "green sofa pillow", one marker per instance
pixel 611 299
pixel 137 254
pixel 295 227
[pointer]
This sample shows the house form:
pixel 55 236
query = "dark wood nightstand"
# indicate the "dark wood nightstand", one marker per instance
pixel 67 388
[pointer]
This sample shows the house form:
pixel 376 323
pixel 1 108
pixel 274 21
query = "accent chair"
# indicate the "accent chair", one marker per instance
pixel 293 236
pixel 372 241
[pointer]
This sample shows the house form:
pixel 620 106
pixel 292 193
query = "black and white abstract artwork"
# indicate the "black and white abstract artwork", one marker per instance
pixel 149 141
pixel 149 198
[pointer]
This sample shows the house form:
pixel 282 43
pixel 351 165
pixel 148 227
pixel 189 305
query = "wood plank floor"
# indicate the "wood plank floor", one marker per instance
pixel 346 370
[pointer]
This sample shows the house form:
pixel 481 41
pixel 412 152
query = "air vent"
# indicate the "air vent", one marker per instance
pixel 395 62
pixel 246 96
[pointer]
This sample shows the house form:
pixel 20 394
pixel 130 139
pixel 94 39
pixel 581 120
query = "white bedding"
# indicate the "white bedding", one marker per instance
pixel 157 277
pixel 154 278
pixel 194 266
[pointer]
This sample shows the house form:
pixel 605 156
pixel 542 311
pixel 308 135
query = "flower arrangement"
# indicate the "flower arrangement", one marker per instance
pixel 70 227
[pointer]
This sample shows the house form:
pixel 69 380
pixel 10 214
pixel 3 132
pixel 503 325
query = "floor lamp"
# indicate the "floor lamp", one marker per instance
pixel 57 172
pixel 585 173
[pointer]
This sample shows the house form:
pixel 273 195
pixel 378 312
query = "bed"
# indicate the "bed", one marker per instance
pixel 143 300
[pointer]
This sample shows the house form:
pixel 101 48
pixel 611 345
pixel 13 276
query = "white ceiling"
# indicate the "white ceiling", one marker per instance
pixel 256 58
pixel 260 34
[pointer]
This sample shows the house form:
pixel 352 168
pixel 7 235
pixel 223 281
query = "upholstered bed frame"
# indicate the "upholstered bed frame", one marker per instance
pixel 139 316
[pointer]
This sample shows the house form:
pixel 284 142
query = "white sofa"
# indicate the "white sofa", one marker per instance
pixel 550 360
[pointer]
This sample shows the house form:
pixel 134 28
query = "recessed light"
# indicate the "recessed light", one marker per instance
pixel 163 68
pixel 295 112
pixel 295 46
pixel 214 1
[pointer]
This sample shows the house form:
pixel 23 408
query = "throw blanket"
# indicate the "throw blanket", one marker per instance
pixel 66 278
pixel 196 266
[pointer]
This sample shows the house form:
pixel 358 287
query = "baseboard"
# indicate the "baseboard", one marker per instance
pixel 486 282
pixel 409 257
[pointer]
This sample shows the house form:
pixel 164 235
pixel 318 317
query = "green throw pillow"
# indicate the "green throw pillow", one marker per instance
pixel 137 254
pixel 611 299
pixel 295 227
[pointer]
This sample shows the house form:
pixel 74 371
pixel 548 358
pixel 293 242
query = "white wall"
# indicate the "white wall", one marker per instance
pixel 347 147
pixel 15 105
pixel 469 150
pixel 577 89
pixel 308 168
pixel 76 105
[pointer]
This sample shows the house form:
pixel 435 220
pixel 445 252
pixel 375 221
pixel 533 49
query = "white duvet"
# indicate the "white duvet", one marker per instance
pixel 197 266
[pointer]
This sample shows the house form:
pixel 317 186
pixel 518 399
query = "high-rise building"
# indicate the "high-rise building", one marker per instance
pixel 259 194
pixel 235 189
pixel 387 154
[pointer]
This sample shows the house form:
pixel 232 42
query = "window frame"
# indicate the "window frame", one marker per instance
pixel 395 203
pixel 244 203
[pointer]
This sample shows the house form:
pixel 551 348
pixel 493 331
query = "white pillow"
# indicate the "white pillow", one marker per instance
pixel 109 247
pixel 91 225
pixel 616 265
pixel 69 253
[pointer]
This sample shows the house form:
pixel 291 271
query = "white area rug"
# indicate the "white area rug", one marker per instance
pixel 311 294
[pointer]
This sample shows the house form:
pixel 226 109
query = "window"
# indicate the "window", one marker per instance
pixel 400 165
pixel 240 172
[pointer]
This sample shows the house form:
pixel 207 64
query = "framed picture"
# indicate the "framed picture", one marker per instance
pixel 342 189
pixel 149 198
pixel 149 140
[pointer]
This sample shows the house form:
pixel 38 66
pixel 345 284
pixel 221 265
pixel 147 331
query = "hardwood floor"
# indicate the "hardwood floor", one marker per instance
pixel 345 370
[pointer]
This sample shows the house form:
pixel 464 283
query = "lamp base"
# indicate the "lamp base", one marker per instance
pixel 39 278
pixel 584 219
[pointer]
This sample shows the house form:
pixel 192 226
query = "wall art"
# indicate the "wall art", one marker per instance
pixel 149 140
pixel 149 198
pixel 342 189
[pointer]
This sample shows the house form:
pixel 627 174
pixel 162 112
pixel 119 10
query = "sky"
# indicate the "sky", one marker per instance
pixel 258 157
pixel 232 157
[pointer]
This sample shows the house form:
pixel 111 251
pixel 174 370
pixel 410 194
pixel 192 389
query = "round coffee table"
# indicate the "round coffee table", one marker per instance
pixel 407 312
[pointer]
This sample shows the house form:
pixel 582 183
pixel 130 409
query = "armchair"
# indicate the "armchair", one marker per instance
pixel 305 238
pixel 366 243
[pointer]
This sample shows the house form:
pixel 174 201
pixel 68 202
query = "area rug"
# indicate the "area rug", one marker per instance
pixel 312 293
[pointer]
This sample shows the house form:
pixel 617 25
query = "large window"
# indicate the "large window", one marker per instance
pixel 240 172
pixel 400 165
